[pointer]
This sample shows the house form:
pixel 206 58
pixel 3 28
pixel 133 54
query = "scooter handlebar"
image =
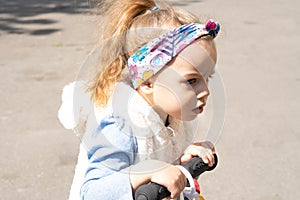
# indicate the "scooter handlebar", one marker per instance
pixel 154 191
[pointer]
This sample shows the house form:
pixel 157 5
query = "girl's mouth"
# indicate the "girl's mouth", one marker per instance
pixel 198 110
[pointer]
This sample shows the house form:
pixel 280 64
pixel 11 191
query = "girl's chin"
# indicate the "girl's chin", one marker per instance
pixel 190 117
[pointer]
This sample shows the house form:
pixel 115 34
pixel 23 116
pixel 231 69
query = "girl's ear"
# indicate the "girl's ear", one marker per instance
pixel 146 88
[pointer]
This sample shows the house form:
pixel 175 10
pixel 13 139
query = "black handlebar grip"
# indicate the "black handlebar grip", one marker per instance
pixel 196 166
pixel 151 191
pixel 154 191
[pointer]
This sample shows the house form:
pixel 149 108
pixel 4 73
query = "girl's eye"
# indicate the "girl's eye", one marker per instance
pixel 192 81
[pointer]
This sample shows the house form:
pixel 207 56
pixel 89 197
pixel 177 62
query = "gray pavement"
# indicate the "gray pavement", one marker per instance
pixel 44 43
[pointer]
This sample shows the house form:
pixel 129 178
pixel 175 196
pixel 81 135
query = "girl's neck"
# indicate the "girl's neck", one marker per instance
pixel 161 113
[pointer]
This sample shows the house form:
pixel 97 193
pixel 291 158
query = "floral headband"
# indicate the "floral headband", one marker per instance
pixel 153 56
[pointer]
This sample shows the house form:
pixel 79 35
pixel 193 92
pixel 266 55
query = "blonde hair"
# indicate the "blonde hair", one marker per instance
pixel 123 32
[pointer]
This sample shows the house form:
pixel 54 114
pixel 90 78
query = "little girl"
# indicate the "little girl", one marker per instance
pixel 154 65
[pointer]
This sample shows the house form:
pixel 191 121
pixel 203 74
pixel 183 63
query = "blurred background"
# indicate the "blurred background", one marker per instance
pixel 44 43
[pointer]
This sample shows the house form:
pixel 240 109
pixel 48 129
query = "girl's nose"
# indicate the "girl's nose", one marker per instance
pixel 203 95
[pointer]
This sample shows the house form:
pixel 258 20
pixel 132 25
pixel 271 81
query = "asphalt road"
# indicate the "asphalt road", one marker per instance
pixel 44 44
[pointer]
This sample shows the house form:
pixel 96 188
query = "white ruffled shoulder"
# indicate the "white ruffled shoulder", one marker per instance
pixel 76 105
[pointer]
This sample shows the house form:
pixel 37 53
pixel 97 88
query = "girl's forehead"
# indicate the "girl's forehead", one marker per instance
pixel 208 45
pixel 196 58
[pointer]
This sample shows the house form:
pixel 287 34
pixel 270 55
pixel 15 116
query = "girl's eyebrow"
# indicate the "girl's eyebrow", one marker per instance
pixel 192 75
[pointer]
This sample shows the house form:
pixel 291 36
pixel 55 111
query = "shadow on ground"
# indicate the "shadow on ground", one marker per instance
pixel 17 15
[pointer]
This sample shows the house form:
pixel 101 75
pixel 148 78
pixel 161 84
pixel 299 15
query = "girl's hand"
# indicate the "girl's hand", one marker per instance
pixel 204 150
pixel 158 172
pixel 172 178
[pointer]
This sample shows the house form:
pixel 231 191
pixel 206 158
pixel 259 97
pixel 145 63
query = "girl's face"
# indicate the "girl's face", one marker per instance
pixel 180 89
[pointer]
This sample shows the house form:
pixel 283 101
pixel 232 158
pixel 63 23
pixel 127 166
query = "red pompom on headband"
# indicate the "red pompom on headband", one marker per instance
pixel 153 56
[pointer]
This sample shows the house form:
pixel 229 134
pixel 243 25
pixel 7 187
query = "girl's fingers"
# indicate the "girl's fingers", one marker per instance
pixel 179 187
pixel 208 159
pixel 211 160
pixel 185 158
pixel 205 160
pixel 204 150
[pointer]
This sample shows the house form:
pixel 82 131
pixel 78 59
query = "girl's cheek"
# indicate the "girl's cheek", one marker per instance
pixel 173 94
pixel 165 98
pixel 178 101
